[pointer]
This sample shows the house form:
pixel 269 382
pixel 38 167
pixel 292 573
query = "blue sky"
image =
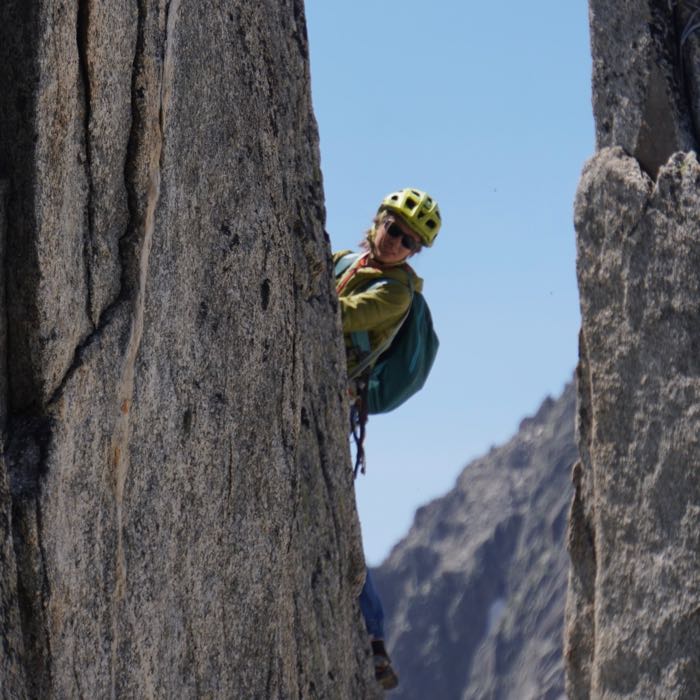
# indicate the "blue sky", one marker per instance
pixel 487 107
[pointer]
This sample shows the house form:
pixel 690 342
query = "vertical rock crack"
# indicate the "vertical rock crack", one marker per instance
pixel 145 230
pixel 82 41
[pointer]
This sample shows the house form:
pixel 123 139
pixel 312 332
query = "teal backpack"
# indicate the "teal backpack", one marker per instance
pixel 401 365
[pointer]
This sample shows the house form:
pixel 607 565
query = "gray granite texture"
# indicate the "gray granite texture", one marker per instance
pixel 177 513
pixel 633 619
pixel 641 67
pixel 633 607
pixel 474 594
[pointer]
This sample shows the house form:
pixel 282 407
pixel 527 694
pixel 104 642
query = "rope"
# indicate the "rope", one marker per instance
pixel 692 25
pixel 358 423
pixel 690 3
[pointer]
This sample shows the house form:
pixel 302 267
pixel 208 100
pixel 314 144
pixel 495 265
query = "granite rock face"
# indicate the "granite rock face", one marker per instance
pixel 474 594
pixel 177 514
pixel 640 67
pixel 633 608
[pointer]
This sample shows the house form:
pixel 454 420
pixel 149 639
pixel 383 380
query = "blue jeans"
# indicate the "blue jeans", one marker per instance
pixel 372 609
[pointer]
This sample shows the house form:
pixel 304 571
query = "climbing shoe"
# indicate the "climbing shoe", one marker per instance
pixel 383 672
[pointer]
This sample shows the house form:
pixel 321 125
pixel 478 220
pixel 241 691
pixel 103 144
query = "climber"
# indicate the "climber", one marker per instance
pixel 376 290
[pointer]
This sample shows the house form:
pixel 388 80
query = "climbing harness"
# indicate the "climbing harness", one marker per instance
pixel 359 377
pixel 397 368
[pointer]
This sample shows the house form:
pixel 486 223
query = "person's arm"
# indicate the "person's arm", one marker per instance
pixel 382 305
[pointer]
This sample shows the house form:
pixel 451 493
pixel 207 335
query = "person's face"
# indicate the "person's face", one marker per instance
pixel 394 241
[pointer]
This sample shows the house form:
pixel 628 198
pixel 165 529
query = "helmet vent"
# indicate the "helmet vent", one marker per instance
pixel 430 224
pixel 411 203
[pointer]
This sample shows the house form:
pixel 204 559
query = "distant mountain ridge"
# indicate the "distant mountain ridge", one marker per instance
pixel 474 594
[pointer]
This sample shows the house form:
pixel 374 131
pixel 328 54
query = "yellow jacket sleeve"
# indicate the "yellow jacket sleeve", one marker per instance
pixel 378 308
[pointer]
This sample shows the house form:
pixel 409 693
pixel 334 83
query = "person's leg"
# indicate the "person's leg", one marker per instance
pixel 373 612
pixel 372 609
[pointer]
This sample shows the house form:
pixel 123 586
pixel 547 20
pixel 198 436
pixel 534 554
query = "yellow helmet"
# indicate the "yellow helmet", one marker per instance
pixel 418 209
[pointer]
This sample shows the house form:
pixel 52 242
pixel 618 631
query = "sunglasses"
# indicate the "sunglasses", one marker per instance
pixel 407 241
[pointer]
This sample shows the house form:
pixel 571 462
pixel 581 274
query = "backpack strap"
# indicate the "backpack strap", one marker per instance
pixel 360 340
pixel 345 261
pixel 344 264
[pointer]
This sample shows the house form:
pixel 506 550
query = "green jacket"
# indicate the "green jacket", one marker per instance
pixel 377 310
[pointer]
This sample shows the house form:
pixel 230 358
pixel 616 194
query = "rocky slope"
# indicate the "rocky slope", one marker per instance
pixel 176 508
pixel 475 592
pixel 633 609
